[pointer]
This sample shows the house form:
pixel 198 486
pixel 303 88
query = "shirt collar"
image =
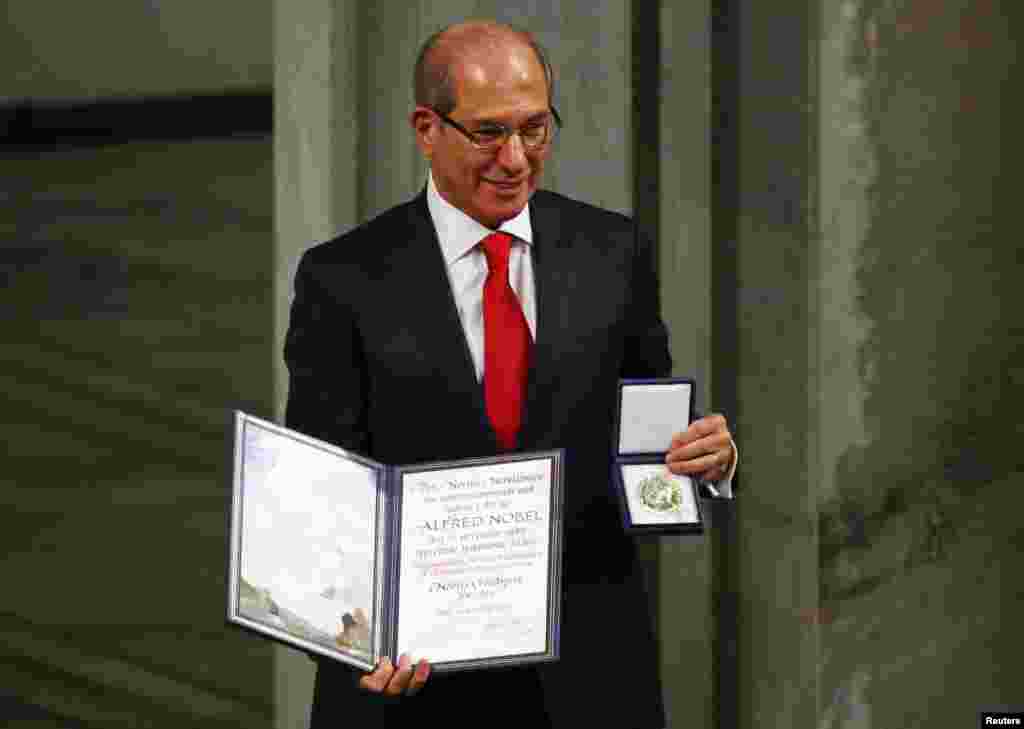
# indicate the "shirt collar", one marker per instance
pixel 459 233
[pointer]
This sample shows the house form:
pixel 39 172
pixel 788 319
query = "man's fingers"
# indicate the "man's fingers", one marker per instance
pixel 419 677
pixel 713 422
pixel 377 680
pixel 699 428
pixel 400 680
pixel 708 444
pixel 396 680
pixel 718 460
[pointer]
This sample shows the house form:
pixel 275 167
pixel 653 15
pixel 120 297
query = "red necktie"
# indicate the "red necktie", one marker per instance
pixel 506 344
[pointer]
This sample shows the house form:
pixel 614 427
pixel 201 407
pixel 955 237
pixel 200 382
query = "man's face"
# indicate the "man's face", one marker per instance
pixel 508 89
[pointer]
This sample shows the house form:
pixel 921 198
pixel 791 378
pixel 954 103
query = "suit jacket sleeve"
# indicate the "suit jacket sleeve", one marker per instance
pixel 327 381
pixel 646 351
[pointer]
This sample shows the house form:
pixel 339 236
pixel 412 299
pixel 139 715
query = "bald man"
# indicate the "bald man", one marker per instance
pixel 391 353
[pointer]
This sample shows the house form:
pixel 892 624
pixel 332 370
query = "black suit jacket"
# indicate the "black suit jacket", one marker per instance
pixel 379 364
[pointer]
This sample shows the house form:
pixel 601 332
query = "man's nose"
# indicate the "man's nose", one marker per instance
pixel 512 154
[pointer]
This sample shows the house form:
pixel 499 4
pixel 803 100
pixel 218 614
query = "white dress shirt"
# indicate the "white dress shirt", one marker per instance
pixel 466 264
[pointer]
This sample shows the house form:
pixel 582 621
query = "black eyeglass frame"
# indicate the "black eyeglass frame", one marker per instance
pixel 508 132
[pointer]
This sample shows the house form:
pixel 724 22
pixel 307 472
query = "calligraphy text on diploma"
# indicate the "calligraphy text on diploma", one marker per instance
pixel 474 561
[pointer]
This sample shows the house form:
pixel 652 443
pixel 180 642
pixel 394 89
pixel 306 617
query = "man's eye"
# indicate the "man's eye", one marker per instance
pixel 489 134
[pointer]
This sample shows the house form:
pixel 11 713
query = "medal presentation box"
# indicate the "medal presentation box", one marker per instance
pixel 336 554
pixel 652 499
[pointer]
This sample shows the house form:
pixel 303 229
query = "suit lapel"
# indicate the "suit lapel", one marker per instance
pixel 554 274
pixel 433 305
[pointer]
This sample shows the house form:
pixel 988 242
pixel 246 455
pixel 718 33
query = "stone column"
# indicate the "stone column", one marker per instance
pixel 686 566
pixel 766 259
pixel 316 141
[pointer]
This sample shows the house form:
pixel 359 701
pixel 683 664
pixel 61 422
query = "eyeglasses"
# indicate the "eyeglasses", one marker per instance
pixel 491 136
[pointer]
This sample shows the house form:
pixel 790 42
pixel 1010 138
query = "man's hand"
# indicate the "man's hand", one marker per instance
pixel 402 680
pixel 704 450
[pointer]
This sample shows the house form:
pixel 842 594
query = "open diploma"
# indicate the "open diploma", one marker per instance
pixel 336 554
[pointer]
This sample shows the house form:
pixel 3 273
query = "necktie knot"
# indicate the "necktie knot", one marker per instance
pixel 496 247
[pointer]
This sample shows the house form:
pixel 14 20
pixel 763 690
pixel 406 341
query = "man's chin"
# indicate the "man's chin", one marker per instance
pixel 502 207
pixel 498 214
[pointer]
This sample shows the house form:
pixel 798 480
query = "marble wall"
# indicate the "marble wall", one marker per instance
pixel 920 357
pixel 878 365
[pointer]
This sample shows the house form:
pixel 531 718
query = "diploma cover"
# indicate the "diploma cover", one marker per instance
pixel 458 562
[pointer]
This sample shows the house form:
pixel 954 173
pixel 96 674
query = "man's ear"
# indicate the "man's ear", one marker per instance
pixel 424 126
